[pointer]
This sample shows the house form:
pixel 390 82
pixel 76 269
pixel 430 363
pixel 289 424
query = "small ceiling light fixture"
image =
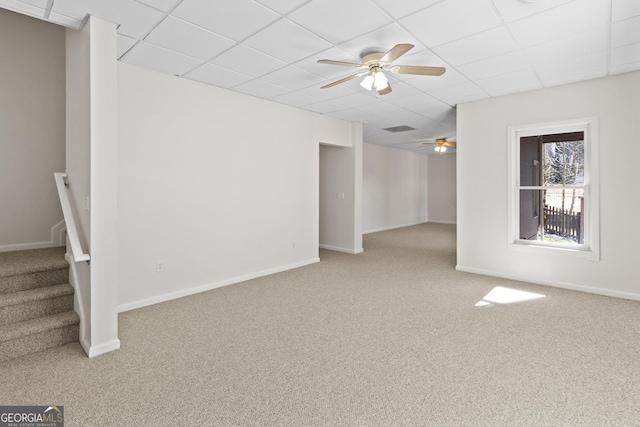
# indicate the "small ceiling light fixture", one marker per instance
pixel 375 78
pixel 441 148
pixel 367 82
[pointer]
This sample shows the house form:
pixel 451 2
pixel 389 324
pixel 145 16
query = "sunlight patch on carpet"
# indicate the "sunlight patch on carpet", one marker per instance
pixel 502 295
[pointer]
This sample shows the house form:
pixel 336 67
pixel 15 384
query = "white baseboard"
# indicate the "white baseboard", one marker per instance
pixel 442 222
pixel 553 283
pixel 57 239
pixel 393 227
pixel 339 249
pixel 97 350
pixel 191 291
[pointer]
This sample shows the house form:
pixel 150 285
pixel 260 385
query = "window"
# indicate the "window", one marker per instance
pixel 553 194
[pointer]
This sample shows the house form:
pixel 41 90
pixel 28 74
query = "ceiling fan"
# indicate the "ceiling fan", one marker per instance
pixel 441 144
pixel 374 65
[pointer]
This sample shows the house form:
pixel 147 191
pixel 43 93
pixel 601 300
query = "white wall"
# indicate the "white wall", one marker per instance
pixel 441 178
pixel 217 186
pixel 32 130
pixel 91 167
pixel 394 188
pixel 482 185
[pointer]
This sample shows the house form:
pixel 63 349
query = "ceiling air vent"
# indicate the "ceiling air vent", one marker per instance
pixel 397 129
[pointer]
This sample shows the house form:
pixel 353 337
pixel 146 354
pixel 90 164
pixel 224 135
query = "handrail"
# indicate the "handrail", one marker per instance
pixel 74 240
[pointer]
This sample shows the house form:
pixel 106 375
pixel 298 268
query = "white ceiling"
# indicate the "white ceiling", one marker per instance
pixel 269 49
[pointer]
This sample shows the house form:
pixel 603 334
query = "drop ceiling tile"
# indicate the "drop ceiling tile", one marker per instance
pixel 287 41
pixel 355 100
pixel 25 8
pixel 42 4
pixel 124 43
pixel 354 115
pixel 295 99
pixel 216 16
pixel 625 55
pixel 479 46
pixel 412 101
pixel 246 60
pixel 421 57
pixel 339 20
pixel 440 131
pixel 625 32
pixel 494 66
pixel 133 19
pixel 454 95
pixel 188 39
pixel 510 10
pixel 329 71
pixel 552 24
pixel 574 45
pixel 283 6
pixel 382 109
pixel 376 121
pixel 517 81
pixel 572 70
pixel 260 89
pixel 71 8
pixel 624 9
pixel 437 111
pixel 65 21
pixel 402 117
pixel 217 76
pixel 293 78
pixel 156 58
pixel 381 40
pixel 399 9
pixel 163 5
pixel 324 107
pixel 451 20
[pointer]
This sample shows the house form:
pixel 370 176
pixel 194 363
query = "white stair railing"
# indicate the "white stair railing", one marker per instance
pixel 72 231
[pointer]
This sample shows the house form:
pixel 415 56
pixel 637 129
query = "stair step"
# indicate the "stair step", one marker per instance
pixel 35 335
pixel 30 269
pixel 34 303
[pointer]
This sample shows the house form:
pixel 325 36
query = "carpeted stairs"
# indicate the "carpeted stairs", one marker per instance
pixel 36 302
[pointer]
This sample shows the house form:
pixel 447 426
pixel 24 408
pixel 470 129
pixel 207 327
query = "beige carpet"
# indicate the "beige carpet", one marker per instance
pixel 390 337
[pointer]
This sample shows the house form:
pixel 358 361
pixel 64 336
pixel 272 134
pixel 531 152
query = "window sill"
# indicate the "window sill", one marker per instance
pixel 578 251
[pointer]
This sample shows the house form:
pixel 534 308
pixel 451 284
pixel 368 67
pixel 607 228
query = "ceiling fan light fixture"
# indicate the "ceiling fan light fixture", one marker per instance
pixel 441 148
pixel 367 82
pixel 380 81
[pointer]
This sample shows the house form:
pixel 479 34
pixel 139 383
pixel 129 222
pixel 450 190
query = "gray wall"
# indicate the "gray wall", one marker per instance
pixel 442 188
pixel 32 129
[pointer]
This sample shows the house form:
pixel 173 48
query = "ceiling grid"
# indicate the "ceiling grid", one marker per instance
pixel 270 48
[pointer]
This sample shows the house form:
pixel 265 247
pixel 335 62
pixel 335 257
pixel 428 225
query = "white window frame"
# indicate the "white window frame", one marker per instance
pixel 591 247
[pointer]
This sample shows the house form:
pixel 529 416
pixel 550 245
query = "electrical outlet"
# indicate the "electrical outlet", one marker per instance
pixel 159 267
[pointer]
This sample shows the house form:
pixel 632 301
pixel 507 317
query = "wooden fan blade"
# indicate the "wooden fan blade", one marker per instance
pixel 346 64
pixel 346 79
pixel 419 70
pixel 396 52
pixel 385 91
pixel 450 144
